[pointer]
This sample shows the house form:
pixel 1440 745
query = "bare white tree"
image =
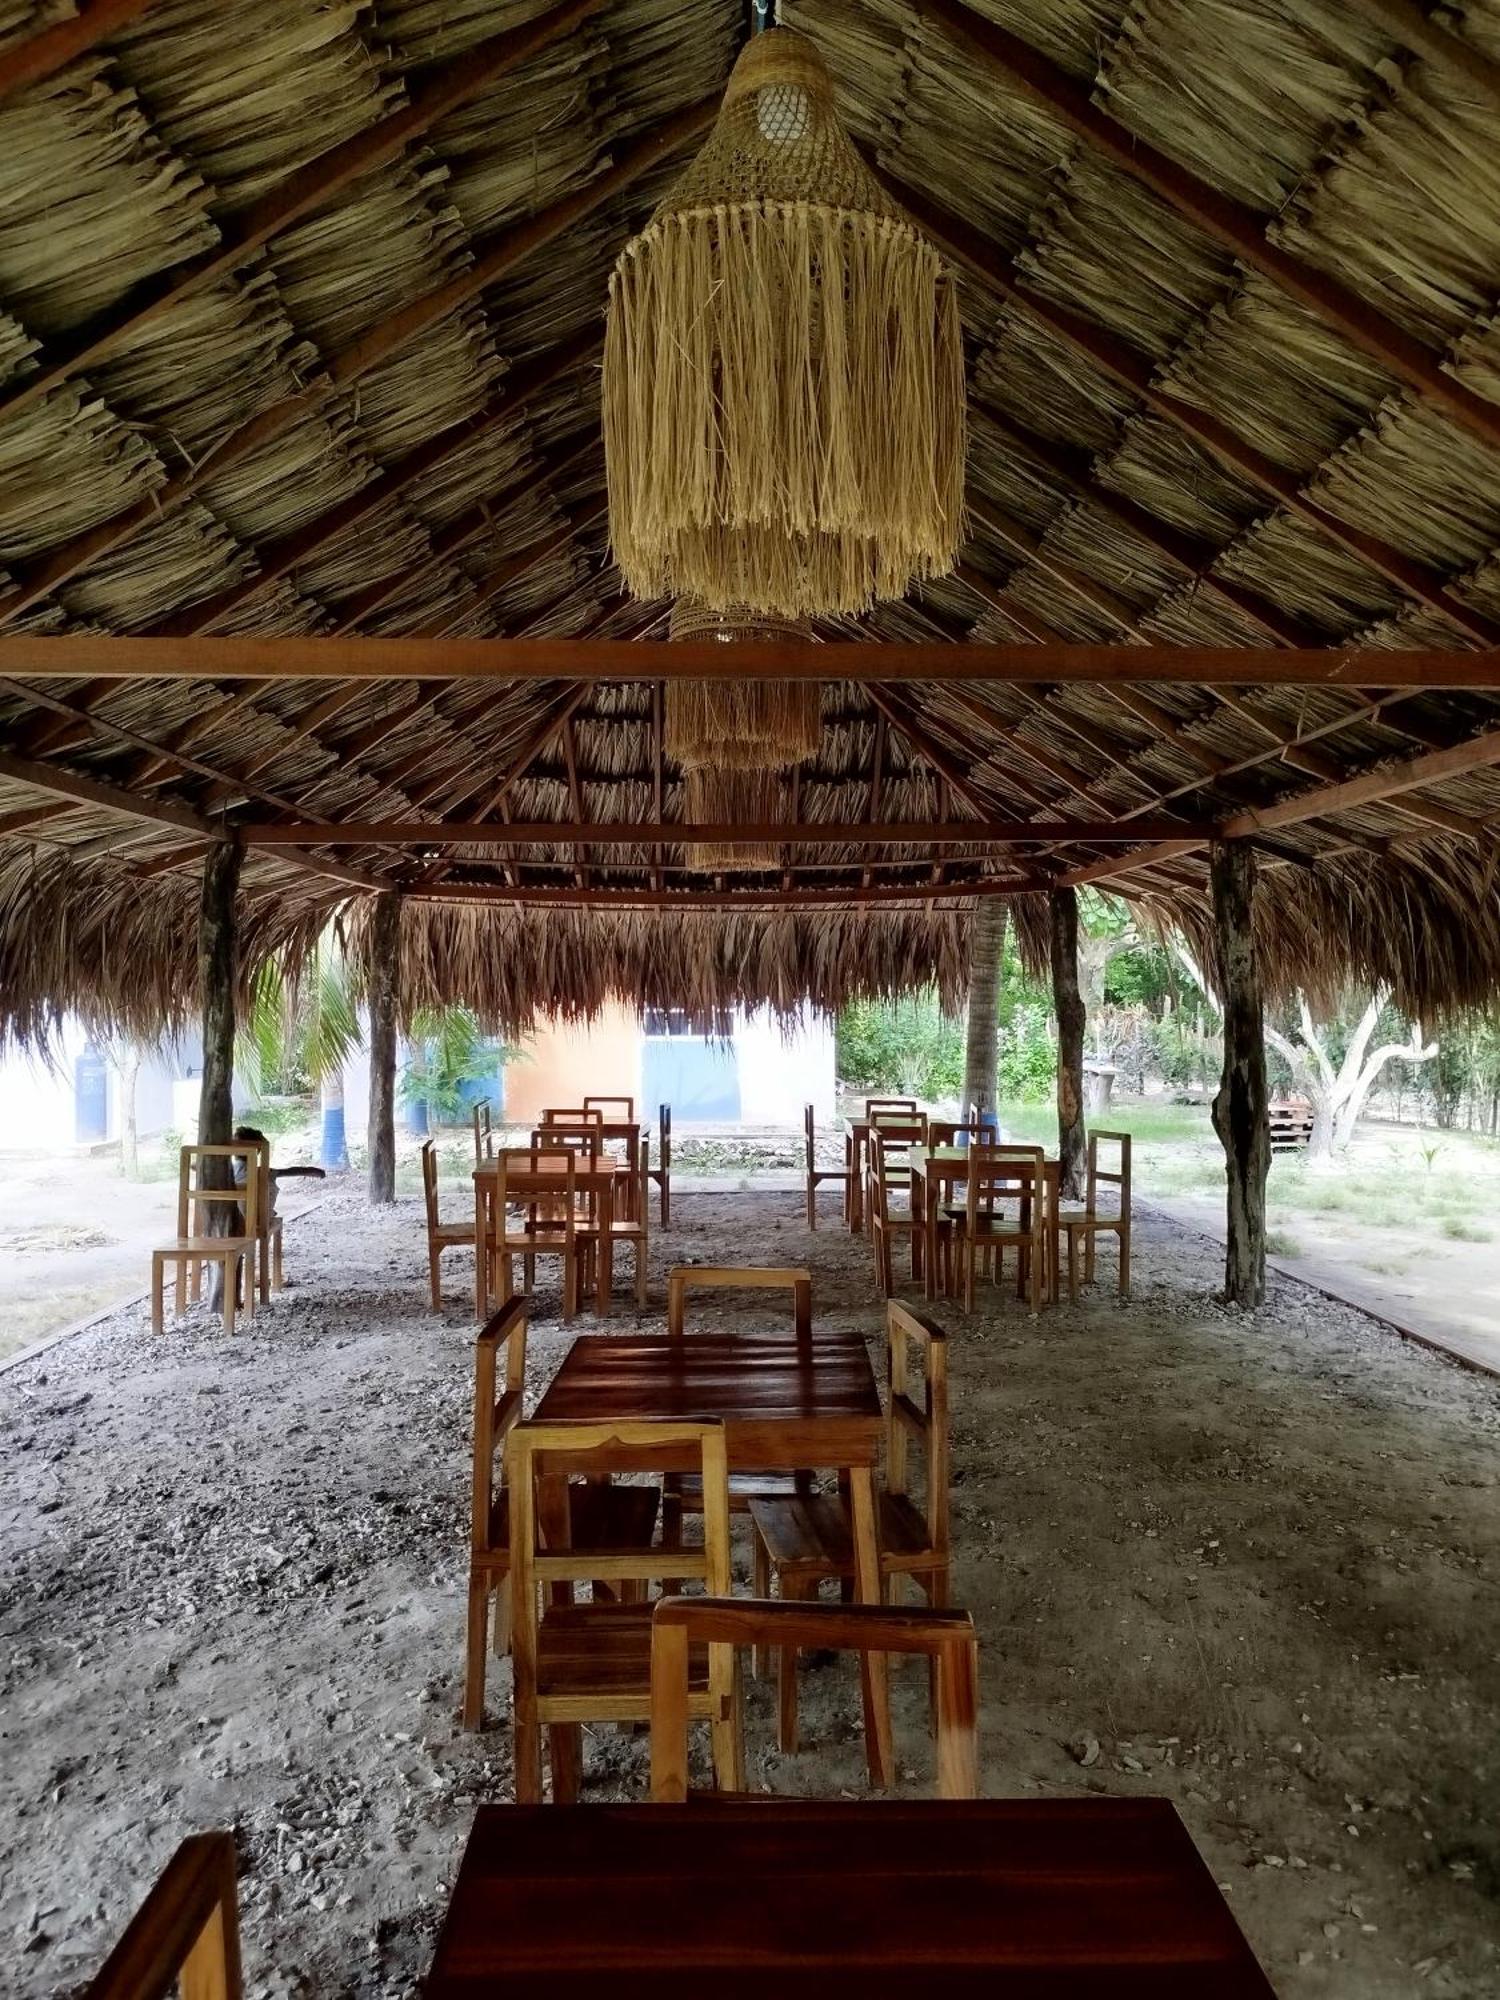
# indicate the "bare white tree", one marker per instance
pixel 1337 1095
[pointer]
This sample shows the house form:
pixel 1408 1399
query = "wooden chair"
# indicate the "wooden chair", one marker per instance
pixel 236 1251
pixel 576 1663
pixel 983 1229
pixel 536 1215
pixel 602 1516
pixel 948 1131
pixel 682 1494
pixel 619 1110
pixel 679 1625
pixel 1092 1222
pixel 890 1175
pixel 576 1114
pixel 662 1173
pixel 875 1105
pixel 584 1135
pixel 816 1175
pixel 807 1541
pixel 186 1931
pixel 441 1235
pixel 628 1224
pixel 484 1133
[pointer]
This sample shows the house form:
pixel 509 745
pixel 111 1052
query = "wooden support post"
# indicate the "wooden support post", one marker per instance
pixel 1068 1003
pixel 385 947
pixel 982 1038
pixel 218 976
pixel 1240 1116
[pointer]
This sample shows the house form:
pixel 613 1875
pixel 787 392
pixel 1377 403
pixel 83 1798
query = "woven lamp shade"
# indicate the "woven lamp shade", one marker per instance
pixel 783 368
pixel 740 725
pixel 731 798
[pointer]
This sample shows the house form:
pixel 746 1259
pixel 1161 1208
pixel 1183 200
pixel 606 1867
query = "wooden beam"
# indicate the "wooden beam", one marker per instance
pixel 86 791
pixel 297 656
pixel 626 833
pixel 687 901
pixel 1231 224
pixel 376 344
pixel 1136 371
pixel 1372 787
pixel 290 552
pixel 22 822
pixel 43 55
pixel 1436 44
pixel 301 193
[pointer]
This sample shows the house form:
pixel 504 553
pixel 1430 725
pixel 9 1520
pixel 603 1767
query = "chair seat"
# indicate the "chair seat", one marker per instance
pixel 205 1246
pixel 604 1651
pixel 603 1517
pixel 812 1538
pixel 548 1237
pixel 620 1226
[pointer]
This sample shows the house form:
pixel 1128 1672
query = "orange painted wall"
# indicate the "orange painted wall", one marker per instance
pixel 565 1059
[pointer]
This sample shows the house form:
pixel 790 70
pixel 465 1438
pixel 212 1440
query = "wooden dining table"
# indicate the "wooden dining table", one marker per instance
pixel 788 1404
pixel 936 1171
pixel 986 1899
pixel 600 1175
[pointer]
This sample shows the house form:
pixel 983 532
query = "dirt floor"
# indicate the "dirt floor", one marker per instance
pixel 1246 1561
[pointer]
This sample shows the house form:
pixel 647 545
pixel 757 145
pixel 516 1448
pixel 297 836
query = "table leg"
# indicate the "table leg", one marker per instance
pixel 857 1186
pixel 874 1667
pixel 604 1263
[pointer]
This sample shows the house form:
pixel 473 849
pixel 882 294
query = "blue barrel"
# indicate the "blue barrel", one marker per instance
pixel 90 1096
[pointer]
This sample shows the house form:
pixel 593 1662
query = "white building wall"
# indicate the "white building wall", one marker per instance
pixel 38 1104
pixel 780 1072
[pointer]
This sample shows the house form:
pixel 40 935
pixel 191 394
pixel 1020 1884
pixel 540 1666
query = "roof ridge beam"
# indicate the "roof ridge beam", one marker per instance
pixel 1232 224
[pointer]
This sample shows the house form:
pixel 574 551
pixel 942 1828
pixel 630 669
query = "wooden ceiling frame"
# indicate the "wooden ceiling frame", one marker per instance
pixel 42 55
pixel 1135 371
pixel 510 248
pixel 862 832
pixel 1233 225
pixel 300 194
pixel 688 900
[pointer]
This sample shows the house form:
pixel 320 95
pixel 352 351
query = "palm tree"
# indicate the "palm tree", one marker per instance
pixel 982 1042
pixel 305 1029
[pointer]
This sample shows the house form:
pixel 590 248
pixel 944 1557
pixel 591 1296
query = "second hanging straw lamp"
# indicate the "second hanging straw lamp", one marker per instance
pixel 783 369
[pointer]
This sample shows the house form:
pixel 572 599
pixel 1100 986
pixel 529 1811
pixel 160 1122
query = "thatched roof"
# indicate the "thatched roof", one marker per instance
pixel 374 410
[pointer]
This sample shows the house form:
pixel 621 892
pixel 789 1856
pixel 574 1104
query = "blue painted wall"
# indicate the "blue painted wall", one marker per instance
pixel 699 1079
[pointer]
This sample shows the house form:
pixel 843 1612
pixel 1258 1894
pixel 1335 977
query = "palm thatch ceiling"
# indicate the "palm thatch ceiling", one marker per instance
pixel 300 314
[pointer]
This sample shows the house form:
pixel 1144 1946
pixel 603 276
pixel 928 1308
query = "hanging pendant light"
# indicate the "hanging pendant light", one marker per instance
pixel 783 368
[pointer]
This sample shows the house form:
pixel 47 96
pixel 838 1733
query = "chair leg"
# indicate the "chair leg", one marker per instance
pixel 158 1282
pixel 812 1203
pixel 728 1738
pixel 500 1628
pixel 231 1269
pixel 528 1758
pixel 786 1677
pixel 1124 1238
pixel 760 1587
pixel 474 1661
pixel 640 1270
pixel 434 1279
pixel 565 1745
pixel 278 1275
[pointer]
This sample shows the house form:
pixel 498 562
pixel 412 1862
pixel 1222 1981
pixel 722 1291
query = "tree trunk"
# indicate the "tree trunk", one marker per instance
pixel 1240 1106
pixel 1071 1022
pixel 130 1070
pixel 385 941
pixel 982 1043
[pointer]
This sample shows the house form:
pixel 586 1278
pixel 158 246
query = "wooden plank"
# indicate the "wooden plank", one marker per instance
pixel 67 656
pixel 626 833
pixel 689 900
pixel 1135 372
pixel 301 193
pixel 1233 225
pixel 43 55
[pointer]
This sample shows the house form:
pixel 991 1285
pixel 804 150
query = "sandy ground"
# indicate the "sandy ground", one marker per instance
pixel 1247 1561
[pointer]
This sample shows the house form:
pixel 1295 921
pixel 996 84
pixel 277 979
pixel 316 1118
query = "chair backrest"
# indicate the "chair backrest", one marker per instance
pixel 1006 1171
pixel 945 1131
pixel 188 1928
pixel 809 1133
pixel 542 1179
pixel 496 1414
pixel 792 1278
pixel 898 1128
pixel 875 1105
pixel 626 1446
pixel 430 1184
pixel 579 1135
pixel 484 1133
pixel 206 1181
pixel 946 1636
pixel 618 1110
pixel 577 1114
pixel 925 1421
pixel 1099 1177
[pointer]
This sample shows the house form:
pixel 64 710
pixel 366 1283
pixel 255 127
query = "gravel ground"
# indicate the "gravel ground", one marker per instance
pixel 1247 1561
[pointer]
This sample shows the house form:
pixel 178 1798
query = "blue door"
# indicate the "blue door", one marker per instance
pixel 689 1062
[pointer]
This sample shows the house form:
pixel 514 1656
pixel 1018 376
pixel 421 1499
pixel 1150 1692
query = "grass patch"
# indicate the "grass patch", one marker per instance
pixel 1459 1231
pixel 1282 1243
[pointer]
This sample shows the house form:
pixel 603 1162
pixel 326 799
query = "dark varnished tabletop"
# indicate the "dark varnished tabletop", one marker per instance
pixel 1075 1899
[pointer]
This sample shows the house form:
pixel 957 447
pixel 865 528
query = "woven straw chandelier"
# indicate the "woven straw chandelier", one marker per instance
pixel 783 369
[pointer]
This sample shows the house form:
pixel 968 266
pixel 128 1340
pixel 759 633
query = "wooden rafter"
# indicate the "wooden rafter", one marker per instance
pixel 1231 224
pixel 688 900
pixel 388 336
pixel 300 194
pixel 1135 372
pixel 40 56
